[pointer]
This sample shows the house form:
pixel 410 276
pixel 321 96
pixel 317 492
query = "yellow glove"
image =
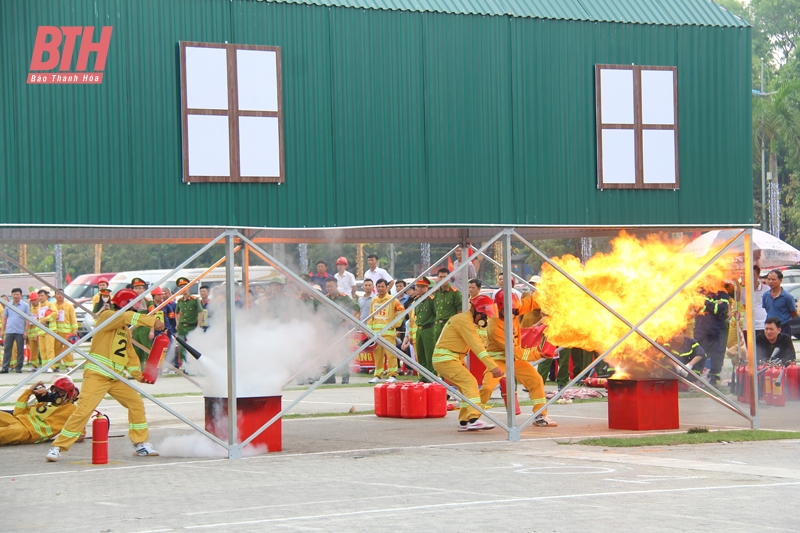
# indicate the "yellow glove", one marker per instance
pixel 137 375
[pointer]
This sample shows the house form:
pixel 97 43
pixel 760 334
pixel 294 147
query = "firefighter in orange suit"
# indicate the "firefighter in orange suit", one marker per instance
pixel 47 315
pixel 379 321
pixel 523 370
pixel 67 329
pixel 112 347
pixel 40 421
pixel 460 335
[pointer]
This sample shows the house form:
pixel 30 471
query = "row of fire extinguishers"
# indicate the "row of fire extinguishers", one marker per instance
pixel 776 382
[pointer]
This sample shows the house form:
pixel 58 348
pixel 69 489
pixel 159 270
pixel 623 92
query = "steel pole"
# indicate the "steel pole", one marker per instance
pixel 749 287
pixel 234 450
pixel 508 312
pixel 763 162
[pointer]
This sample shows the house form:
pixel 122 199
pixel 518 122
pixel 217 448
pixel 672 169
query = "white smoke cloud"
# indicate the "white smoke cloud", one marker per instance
pixel 268 351
pixel 198 445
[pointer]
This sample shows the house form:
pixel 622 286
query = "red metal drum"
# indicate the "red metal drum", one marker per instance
pixel 643 404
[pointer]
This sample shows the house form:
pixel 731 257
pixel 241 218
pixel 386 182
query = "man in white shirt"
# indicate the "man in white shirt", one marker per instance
pixel 375 273
pixel 471 273
pixel 759 313
pixel 345 281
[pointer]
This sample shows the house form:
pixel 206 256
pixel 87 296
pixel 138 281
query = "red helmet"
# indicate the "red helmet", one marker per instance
pixel 342 261
pixel 66 384
pixel 123 296
pixel 157 291
pixel 500 300
pixel 483 304
pixel 33 296
pixel 102 280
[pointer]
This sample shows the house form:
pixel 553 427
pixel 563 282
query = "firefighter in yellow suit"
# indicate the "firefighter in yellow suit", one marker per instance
pixel 66 327
pixel 460 335
pixel 46 314
pixel 379 321
pixel 112 347
pixel 523 370
pixel 33 331
pixel 40 421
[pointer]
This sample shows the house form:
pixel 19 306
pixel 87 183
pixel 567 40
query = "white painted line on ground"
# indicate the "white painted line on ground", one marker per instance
pixel 300 504
pixel 476 503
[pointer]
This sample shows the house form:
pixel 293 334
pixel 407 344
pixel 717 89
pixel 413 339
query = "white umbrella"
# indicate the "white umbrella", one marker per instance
pixel 768 251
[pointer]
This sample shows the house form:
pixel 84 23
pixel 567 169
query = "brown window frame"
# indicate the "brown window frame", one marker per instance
pixel 638 128
pixel 233 113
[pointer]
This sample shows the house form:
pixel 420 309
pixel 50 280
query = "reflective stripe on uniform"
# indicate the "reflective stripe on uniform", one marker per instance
pixel 441 355
pixel 538 401
pixel 135 319
pixel 44 430
pixel 107 362
pixel 141 426
pixel 70 434
pixel 20 405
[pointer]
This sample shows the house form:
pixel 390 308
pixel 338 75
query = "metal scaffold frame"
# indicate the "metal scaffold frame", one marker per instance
pixel 230 236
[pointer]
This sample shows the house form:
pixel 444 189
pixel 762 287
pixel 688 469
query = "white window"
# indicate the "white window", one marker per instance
pixel 232 113
pixel 637 127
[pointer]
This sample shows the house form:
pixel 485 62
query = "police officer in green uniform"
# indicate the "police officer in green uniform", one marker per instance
pixel 425 314
pixel 141 334
pixel 188 312
pixel 447 301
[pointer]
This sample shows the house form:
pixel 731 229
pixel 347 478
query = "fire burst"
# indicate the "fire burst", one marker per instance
pixel 635 277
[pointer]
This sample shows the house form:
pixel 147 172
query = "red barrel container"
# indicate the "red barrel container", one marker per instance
pixel 436 400
pixel 644 404
pixel 414 401
pixel 251 414
pixel 792 382
pixel 380 399
pixel 100 427
pixel 393 400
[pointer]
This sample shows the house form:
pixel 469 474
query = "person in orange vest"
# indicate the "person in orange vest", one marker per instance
pixel 67 328
pixel 46 314
pixel 111 346
pixel 459 336
pixel 523 371
pixel 379 321
pixel 40 421
pixel 102 285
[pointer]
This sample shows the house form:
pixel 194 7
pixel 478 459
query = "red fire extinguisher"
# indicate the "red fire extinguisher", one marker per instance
pixel 100 427
pixel 505 396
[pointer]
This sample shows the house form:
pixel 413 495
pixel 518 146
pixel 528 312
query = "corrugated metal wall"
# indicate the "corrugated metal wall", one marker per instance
pixel 390 118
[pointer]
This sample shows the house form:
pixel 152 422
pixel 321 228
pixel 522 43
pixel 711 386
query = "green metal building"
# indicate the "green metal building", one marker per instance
pixel 402 113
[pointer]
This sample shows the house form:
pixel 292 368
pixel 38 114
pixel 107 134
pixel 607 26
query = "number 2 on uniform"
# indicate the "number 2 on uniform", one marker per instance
pixel 123 346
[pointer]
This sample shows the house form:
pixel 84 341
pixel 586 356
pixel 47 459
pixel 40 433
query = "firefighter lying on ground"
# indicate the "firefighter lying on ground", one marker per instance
pixel 459 336
pixel 40 421
pixel 523 370
pixel 112 347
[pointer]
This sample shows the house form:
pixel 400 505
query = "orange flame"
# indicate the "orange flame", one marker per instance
pixel 635 277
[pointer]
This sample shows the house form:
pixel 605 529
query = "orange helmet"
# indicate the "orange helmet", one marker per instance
pixel 500 300
pixel 102 280
pixel 33 296
pixel 66 384
pixel 483 304
pixel 123 296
